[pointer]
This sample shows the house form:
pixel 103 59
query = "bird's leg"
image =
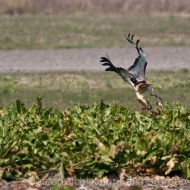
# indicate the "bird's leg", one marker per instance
pixel 143 102
pixel 157 98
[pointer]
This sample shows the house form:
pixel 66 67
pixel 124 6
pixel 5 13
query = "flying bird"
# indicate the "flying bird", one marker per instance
pixel 135 75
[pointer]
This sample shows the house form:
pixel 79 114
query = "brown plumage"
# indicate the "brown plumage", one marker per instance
pixel 135 75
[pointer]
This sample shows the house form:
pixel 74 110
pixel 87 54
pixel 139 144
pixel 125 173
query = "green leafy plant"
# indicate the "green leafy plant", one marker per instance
pixel 91 141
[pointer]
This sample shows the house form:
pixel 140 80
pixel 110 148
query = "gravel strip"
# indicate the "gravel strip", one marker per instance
pixel 159 58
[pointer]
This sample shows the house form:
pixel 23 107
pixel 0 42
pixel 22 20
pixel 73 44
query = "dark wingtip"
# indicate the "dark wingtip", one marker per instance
pixel 109 69
pixel 105 64
pixel 103 59
pixel 132 37
pixel 137 42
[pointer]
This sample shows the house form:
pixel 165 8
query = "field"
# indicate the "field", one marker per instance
pixel 94 123
pixel 20 7
pixel 61 90
pixel 98 31
pixel 86 125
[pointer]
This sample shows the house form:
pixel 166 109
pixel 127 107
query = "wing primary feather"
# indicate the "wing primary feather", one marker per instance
pixel 108 57
pixel 137 42
pixel 107 62
pixel 132 37
pixel 129 35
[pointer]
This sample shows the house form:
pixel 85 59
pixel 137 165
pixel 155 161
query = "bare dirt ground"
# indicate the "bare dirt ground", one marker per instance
pixel 159 58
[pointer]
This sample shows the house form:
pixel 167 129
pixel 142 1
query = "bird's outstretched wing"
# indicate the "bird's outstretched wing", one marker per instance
pixel 126 76
pixel 138 68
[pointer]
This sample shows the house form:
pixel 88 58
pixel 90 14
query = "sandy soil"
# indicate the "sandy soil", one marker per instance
pixel 159 58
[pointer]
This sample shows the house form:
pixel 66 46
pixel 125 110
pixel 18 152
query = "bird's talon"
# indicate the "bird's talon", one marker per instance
pixel 160 105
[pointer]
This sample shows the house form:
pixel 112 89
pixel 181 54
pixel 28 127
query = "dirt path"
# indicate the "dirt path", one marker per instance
pixel 159 58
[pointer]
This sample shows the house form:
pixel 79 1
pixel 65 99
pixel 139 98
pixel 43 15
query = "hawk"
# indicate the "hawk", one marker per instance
pixel 135 75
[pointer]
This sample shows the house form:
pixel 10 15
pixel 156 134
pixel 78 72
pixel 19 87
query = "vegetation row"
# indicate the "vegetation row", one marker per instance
pixel 92 141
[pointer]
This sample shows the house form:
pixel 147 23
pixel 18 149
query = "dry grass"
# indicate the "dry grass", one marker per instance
pixel 83 30
pixel 64 6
